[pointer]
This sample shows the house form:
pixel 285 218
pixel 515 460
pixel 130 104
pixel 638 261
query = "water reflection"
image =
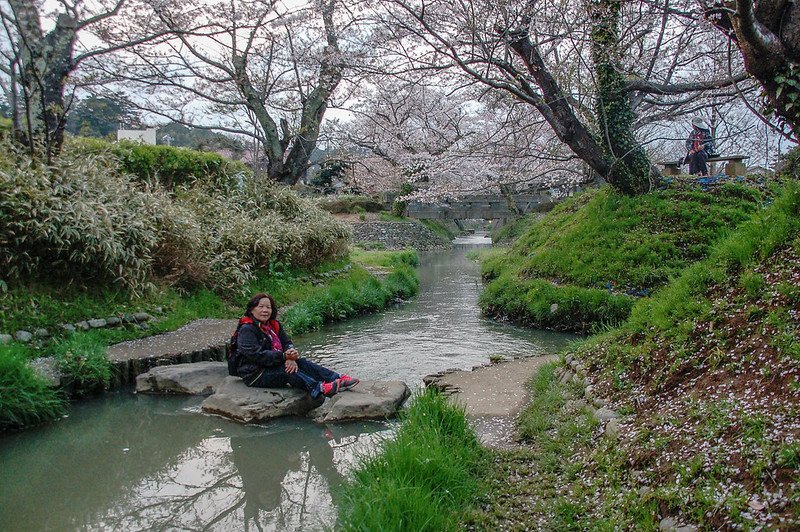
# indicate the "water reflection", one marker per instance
pixel 152 463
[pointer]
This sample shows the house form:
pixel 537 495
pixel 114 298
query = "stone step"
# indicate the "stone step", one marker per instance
pixel 200 340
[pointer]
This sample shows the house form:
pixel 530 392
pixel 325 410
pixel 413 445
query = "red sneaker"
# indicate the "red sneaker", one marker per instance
pixel 330 389
pixel 346 382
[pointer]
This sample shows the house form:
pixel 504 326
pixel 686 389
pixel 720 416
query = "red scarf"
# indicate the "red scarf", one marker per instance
pixel 270 328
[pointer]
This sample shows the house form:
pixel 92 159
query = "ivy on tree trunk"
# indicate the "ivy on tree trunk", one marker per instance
pixel 629 167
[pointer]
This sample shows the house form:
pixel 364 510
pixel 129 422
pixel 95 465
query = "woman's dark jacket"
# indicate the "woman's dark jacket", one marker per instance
pixel 255 353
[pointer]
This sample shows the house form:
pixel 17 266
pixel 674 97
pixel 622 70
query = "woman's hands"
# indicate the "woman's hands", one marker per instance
pixel 291 355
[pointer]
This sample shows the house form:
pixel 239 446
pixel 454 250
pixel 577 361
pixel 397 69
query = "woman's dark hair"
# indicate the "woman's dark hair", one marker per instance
pixel 255 300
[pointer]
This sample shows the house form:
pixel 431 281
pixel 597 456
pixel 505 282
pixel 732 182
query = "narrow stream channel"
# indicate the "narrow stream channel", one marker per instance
pixel 128 462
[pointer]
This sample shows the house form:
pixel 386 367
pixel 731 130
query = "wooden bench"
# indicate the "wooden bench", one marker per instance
pixel 733 167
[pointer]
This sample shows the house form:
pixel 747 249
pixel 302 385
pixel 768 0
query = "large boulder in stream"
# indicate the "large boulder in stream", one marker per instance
pixel 235 400
pixel 369 400
pixel 198 378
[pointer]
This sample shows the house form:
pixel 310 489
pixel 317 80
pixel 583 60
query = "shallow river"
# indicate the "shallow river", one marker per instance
pixel 127 462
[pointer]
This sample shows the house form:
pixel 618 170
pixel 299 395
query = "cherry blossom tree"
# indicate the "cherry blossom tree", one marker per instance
pixel 265 69
pixel 594 71
pixel 38 64
pixel 447 143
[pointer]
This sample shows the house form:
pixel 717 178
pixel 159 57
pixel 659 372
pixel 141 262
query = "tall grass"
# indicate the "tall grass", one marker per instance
pixel 25 399
pixel 358 293
pixel 423 479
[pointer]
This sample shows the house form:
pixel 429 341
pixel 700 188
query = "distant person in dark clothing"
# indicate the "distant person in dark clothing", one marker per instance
pixel 266 357
pixel 700 146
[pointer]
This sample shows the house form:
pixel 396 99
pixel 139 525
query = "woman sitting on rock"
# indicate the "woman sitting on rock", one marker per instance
pixel 266 358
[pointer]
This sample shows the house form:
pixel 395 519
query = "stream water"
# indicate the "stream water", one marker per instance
pixel 128 462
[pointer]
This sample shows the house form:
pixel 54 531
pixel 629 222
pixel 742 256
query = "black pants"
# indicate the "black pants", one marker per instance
pixel 697 163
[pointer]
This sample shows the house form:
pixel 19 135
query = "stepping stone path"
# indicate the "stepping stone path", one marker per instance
pixel 232 399
pixel 197 341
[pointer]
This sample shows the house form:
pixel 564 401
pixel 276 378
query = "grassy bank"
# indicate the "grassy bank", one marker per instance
pixel 706 375
pixel 24 397
pixel 359 293
pixel 582 266
pixel 423 479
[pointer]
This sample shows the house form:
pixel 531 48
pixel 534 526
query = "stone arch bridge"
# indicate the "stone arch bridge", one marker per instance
pixel 489 206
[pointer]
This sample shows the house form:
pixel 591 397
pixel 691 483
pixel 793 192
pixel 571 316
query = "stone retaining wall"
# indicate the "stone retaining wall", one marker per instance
pixel 397 235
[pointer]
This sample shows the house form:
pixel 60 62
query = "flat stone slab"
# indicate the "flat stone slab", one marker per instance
pixel 198 378
pixel 195 336
pixel 492 396
pixel 497 390
pixel 369 400
pixel 200 340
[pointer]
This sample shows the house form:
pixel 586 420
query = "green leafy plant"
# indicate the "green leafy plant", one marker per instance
pixel 25 399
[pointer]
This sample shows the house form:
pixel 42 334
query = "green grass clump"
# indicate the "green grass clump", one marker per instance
pixel 423 479
pixel 25 399
pixel 358 293
pixel 82 359
pixel 385 259
pixel 600 240
pixel 544 305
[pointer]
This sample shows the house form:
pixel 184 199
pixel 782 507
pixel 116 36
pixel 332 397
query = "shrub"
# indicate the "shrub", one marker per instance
pixel 168 166
pixel 25 399
pixel 81 219
pixel 350 204
pixel 75 220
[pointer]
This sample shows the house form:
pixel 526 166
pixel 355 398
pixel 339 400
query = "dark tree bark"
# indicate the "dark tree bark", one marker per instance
pixel 45 63
pixel 614 153
pixel 768 35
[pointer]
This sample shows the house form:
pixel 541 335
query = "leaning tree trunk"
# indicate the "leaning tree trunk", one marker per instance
pixel 630 167
pixel 614 153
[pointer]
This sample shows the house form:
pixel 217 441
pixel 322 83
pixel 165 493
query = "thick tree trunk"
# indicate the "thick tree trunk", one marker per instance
pixel 614 153
pixel 630 167
pixel 45 62
pixel 287 151
pixel 768 36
